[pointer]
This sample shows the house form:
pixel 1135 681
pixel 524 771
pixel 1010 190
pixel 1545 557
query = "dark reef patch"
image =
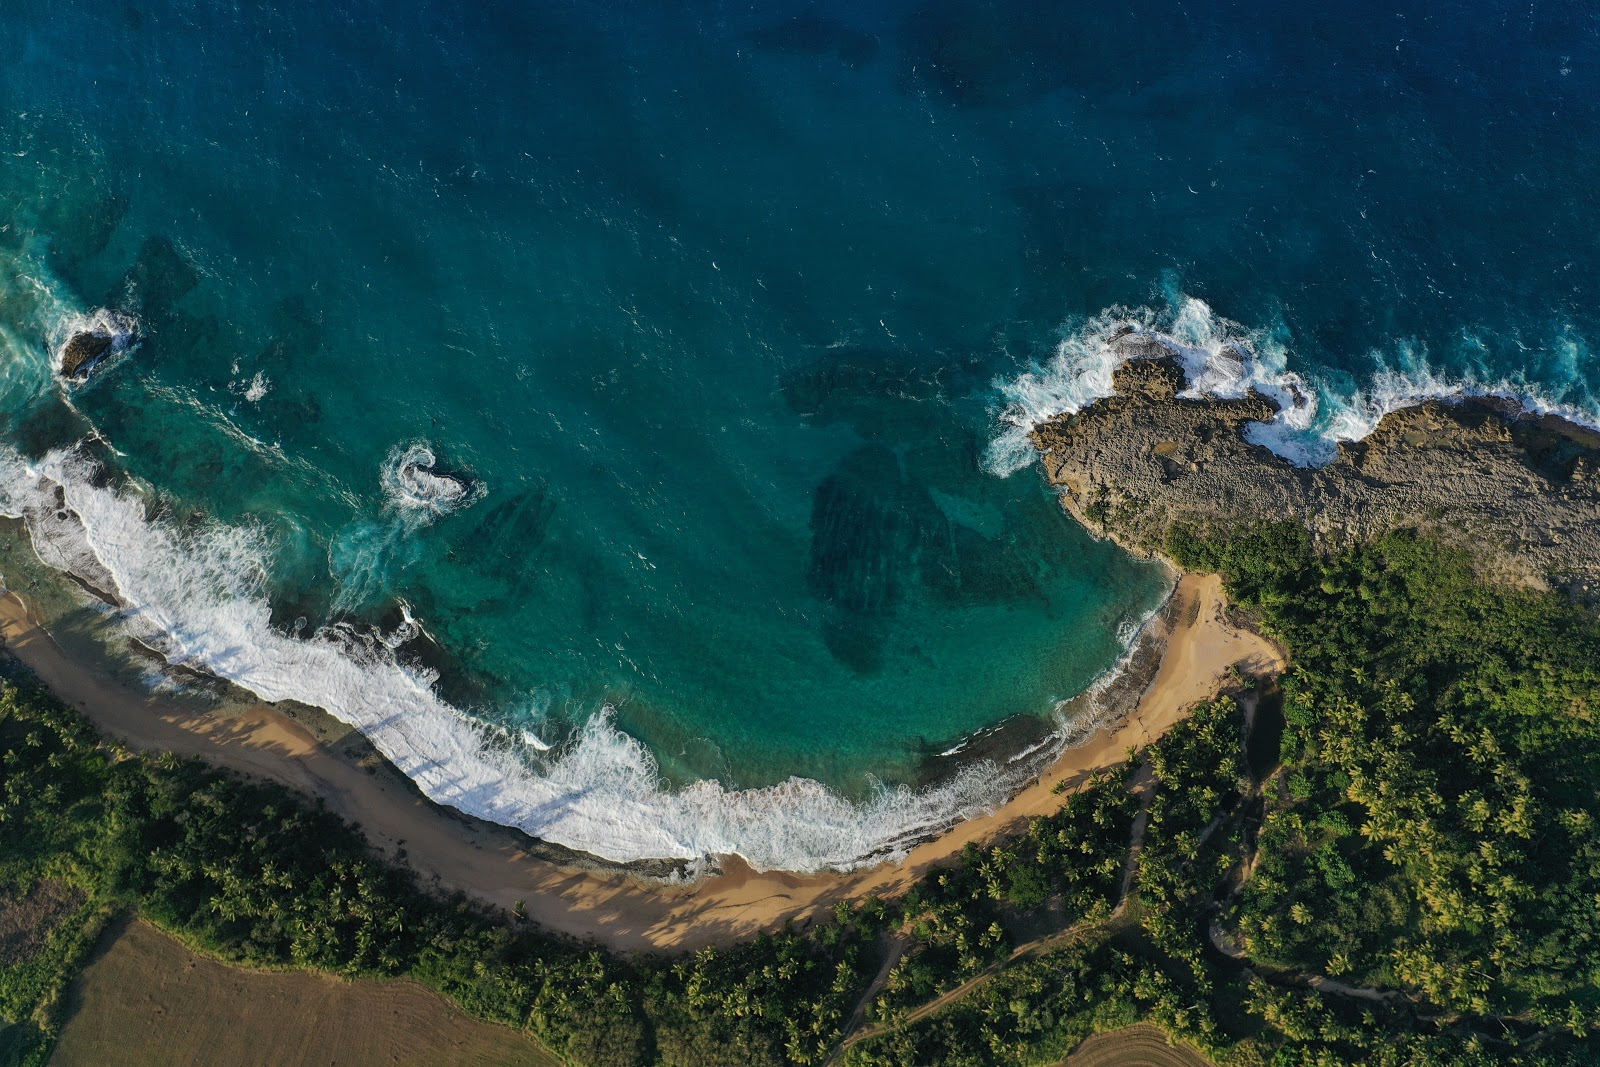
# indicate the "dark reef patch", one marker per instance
pixel 507 533
pixel 159 278
pixel 50 423
pixel 867 522
pixel 83 233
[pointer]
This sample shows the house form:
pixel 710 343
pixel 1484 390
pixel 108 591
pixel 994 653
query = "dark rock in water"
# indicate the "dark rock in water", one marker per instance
pixel 868 525
pixel 434 487
pixel 809 35
pixel 94 341
pixel 83 352
pixel 512 531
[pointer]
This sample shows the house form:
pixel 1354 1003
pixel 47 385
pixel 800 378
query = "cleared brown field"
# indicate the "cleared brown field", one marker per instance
pixel 149 1000
pixel 1137 1046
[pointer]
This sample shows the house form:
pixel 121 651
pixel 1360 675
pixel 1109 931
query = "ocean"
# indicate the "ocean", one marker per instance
pixel 619 411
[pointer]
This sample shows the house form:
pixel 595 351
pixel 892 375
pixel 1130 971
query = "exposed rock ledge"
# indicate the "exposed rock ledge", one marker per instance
pixel 1521 490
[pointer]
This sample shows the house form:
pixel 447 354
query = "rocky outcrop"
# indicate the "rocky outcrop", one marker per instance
pixel 1521 490
pixel 82 353
pixel 93 340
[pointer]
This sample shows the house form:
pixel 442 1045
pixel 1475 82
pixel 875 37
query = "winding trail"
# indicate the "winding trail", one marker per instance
pixel 614 907
pixel 1142 785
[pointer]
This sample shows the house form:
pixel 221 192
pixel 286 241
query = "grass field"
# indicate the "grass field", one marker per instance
pixel 148 1000
pixel 1137 1046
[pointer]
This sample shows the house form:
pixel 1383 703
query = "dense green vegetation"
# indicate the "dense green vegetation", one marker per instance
pixel 1414 880
pixel 1437 831
pixel 250 872
pixel 956 919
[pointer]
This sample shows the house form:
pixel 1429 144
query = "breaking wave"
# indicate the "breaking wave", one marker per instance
pixel 198 595
pixel 415 486
pixel 1224 359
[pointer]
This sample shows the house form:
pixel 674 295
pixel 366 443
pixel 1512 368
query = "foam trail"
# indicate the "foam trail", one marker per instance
pixel 199 597
pixel 366 555
pixel 1226 360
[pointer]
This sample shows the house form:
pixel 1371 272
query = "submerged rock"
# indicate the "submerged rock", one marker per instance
pixel 1512 486
pixel 160 277
pixel 432 487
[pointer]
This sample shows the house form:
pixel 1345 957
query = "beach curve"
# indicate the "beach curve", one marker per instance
pixel 615 907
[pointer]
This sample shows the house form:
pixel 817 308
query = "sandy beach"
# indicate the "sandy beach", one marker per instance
pixel 616 909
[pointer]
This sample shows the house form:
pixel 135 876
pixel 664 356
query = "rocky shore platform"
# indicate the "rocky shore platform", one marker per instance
pixel 1521 490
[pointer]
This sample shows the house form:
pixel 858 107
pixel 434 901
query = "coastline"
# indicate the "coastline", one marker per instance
pixel 1163 451
pixel 560 892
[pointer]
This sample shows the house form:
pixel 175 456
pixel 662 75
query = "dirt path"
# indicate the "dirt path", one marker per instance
pixel 618 909
pixel 897 948
pixel 1141 784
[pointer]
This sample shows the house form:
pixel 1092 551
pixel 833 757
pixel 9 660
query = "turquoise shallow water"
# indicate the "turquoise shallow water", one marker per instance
pixel 727 319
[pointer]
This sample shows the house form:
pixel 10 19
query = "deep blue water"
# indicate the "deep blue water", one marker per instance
pixel 720 310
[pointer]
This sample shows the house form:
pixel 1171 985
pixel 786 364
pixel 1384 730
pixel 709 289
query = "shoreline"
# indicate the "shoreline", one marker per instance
pixel 561 893
pixel 1164 450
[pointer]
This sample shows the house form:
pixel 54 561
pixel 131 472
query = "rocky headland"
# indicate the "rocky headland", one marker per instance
pixel 1519 489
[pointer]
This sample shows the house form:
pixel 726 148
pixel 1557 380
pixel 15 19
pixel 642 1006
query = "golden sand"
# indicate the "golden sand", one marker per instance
pixel 618 909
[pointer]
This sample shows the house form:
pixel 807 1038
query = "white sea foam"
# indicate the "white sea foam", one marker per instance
pixel 414 486
pixel 258 388
pixel 1226 360
pixel 198 595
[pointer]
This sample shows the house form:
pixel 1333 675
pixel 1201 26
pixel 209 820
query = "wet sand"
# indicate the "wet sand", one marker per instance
pixel 616 908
